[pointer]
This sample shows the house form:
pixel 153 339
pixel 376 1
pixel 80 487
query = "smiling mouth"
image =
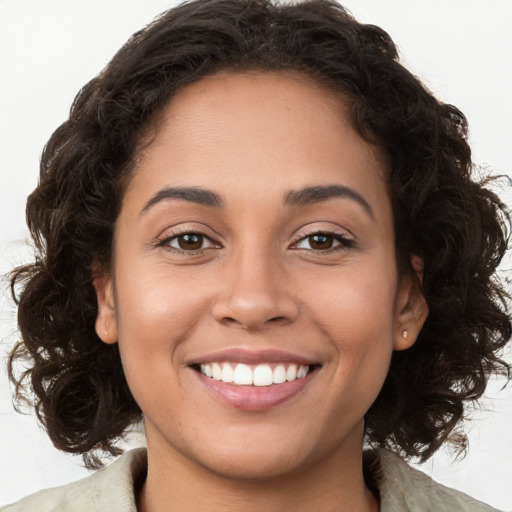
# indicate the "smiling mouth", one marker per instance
pixel 240 374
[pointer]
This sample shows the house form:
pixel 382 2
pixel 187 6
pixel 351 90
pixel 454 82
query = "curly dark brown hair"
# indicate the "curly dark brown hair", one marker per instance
pixel 456 225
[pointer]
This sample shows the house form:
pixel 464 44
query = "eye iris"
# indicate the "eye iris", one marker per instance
pixel 190 241
pixel 321 241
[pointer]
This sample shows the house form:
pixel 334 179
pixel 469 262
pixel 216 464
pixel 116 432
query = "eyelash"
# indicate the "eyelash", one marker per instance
pixel 165 242
pixel 344 242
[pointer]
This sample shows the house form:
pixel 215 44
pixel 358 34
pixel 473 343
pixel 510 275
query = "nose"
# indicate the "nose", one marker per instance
pixel 256 293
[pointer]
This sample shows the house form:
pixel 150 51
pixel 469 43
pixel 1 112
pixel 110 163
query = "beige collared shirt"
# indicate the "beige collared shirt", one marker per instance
pixel 401 489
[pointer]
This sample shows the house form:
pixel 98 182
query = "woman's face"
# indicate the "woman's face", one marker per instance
pixel 255 242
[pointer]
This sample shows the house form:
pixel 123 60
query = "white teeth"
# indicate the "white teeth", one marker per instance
pixel 227 373
pixel 291 373
pixel 243 375
pixel 279 374
pixel 216 371
pixel 302 372
pixel 263 375
pixel 260 375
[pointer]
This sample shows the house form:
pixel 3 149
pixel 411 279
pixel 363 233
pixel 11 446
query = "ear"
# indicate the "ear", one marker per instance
pixel 411 307
pixel 106 323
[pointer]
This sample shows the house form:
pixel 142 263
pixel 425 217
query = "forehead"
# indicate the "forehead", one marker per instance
pixel 258 133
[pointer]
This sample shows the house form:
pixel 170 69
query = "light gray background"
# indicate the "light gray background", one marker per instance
pixel 49 48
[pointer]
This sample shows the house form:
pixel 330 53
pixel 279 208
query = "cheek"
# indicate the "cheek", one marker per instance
pixel 156 312
pixel 156 316
pixel 356 302
pixel 153 295
pixel 356 315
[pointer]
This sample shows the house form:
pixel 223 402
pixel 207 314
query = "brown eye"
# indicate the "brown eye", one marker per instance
pixel 324 242
pixel 321 242
pixel 189 242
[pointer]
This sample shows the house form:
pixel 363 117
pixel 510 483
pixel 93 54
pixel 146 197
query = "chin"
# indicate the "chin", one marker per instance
pixel 257 453
pixel 254 465
pixel 263 453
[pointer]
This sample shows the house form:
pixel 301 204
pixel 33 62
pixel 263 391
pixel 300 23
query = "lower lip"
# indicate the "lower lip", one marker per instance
pixel 254 398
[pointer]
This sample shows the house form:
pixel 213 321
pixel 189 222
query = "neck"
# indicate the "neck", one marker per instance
pixel 175 483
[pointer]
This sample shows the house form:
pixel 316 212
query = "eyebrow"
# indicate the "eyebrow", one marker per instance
pixel 320 193
pixel 301 197
pixel 196 195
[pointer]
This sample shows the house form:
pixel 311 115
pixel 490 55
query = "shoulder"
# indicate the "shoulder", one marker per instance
pixel 405 489
pixel 110 489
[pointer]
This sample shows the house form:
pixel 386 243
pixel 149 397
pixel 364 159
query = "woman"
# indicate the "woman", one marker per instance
pixel 259 231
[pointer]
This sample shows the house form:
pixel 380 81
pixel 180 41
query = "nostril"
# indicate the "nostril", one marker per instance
pixel 277 319
pixel 250 325
pixel 230 320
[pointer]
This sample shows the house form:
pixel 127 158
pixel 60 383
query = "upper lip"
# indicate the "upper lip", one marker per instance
pixel 240 355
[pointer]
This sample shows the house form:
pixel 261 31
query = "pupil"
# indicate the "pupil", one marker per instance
pixel 190 241
pixel 321 241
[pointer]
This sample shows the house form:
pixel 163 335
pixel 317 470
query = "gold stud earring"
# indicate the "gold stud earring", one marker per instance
pixel 405 335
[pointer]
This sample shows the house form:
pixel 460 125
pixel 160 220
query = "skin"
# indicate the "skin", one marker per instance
pixel 258 282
